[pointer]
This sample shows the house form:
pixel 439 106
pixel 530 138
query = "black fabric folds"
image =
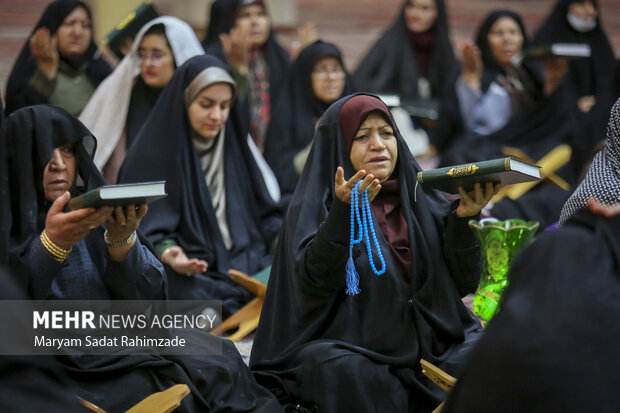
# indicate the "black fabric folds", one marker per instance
pixel 392 66
pixel 317 345
pixel 553 344
pixel 164 150
pixel 18 92
pixel 593 76
pixel 296 112
pixel 142 101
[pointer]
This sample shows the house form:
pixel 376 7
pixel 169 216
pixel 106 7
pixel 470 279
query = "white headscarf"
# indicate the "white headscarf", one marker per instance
pixel 106 112
pixel 602 181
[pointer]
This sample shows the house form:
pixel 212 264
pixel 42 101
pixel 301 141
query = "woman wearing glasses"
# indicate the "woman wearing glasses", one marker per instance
pixel 121 105
pixel 316 79
pixel 59 64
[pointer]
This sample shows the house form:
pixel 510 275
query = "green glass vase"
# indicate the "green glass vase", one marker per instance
pixel 500 242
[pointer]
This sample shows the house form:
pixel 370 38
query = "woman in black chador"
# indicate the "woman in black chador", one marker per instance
pixel 579 21
pixel 59 64
pixel 414 57
pixel 316 79
pixel 317 345
pixel 218 213
pixel 256 58
pixel 67 255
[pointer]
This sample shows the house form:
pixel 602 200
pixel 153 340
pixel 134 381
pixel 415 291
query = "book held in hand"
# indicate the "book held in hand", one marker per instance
pixel 566 50
pixel 120 195
pixel 507 171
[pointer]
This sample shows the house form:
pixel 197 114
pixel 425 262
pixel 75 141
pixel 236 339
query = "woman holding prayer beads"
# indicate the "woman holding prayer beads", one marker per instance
pixel 328 321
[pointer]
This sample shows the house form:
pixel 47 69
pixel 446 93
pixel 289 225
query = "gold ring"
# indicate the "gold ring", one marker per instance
pixel 91 227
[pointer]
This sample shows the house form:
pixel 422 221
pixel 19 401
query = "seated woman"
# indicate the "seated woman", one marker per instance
pixel 578 21
pixel 120 105
pixel 317 345
pixel 218 214
pixel 240 33
pixel 525 107
pixel 316 79
pixel 414 57
pixel 491 89
pixel 59 64
pixel 67 255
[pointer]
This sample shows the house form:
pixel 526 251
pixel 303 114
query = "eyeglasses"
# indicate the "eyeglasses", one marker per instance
pixel 324 72
pixel 156 58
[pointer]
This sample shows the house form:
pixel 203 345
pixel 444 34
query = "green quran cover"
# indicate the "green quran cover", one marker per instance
pixel 126 29
pixel 507 171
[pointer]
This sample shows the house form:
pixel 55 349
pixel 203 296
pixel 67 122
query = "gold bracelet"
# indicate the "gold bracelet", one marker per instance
pixel 58 253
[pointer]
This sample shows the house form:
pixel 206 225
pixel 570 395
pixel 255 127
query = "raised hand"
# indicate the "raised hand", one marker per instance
pixel 343 188
pixel 44 50
pixel 124 221
pixel 472 64
pixel 175 257
pixel 473 202
pixel 236 47
pixel 67 228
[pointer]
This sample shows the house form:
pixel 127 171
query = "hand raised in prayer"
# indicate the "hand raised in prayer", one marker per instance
pixel 43 49
pixel 472 64
pixel 600 209
pixel 306 34
pixel 175 257
pixel 473 202
pixel 67 228
pixel 236 47
pixel 343 188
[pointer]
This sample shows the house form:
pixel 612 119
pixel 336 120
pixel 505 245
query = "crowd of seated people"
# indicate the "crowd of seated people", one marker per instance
pixel 286 165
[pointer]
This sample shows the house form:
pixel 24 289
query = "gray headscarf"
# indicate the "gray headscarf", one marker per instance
pixel 602 181
pixel 211 151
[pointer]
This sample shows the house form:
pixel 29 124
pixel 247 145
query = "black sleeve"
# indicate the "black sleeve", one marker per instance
pixel 327 253
pixel 462 252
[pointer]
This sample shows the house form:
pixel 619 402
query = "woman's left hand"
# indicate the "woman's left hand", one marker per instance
pixel 473 202
pixel 124 221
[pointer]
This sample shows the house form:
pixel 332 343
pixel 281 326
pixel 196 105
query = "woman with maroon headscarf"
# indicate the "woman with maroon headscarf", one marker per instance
pixel 339 339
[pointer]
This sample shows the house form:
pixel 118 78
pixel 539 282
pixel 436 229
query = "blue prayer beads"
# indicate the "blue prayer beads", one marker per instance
pixel 363 223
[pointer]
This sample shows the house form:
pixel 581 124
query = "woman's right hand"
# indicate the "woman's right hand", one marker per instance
pixel 175 257
pixel 66 228
pixel 236 47
pixel 43 49
pixel 343 188
pixel 471 64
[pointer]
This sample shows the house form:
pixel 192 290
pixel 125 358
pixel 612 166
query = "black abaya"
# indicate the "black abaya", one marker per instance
pixel 315 344
pixel 392 64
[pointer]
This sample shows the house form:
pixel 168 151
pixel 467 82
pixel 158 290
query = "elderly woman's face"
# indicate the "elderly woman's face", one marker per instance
pixel 505 39
pixel 209 111
pixel 328 79
pixel 374 147
pixel 74 33
pixel 59 172
pixel 420 15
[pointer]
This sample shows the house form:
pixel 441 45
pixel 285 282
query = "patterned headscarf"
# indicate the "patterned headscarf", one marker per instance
pixel 602 181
